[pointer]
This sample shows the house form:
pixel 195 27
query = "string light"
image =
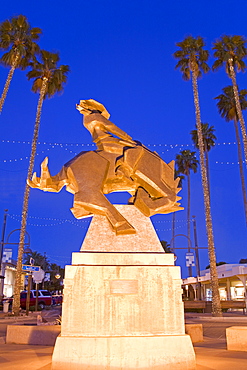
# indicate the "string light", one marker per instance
pixel 78 223
pixel 55 221
pixel 60 260
pixel 68 147
pixel 162 221
pixel 49 144
pixel 44 218
pixel 92 144
pixel 61 257
pixel 232 163
pixel 72 152
pixel 175 228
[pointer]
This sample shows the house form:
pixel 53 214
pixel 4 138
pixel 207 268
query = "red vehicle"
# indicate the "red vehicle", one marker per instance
pixel 44 299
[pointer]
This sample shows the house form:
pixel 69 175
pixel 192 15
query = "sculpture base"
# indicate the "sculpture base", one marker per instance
pixel 100 236
pixel 173 352
pixel 122 306
pixel 123 311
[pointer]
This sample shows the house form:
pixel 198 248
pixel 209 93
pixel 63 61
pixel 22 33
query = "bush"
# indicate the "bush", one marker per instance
pixel 32 308
pixel 197 310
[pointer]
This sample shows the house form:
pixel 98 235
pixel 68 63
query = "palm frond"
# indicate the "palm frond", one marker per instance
pixel 192 56
pixel 208 136
pixel 227 105
pixel 186 161
pixel 47 68
pixel 230 47
pixel 17 34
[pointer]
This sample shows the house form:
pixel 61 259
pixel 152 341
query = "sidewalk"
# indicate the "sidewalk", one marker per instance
pixel 25 357
pixel 211 354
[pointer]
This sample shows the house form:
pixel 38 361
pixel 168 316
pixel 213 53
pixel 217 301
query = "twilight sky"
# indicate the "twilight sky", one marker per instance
pixel 120 54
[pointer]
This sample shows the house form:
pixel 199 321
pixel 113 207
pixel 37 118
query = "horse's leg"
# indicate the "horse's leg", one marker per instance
pixel 90 172
pixel 94 202
pixel 150 207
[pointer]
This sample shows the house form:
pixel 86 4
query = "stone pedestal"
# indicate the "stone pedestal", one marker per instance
pixel 123 310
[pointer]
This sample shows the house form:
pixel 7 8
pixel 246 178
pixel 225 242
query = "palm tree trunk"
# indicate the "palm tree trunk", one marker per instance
pixel 216 307
pixel 241 169
pixel 207 169
pixel 188 220
pixel 238 106
pixel 7 83
pixel 17 287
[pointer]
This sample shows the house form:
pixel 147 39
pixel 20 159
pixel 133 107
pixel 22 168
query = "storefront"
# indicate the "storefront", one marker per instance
pixel 9 279
pixel 232 283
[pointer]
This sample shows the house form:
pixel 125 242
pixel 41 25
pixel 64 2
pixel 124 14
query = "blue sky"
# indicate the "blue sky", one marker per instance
pixel 120 53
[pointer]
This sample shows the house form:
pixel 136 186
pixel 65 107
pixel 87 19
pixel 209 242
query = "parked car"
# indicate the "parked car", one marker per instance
pixel 44 299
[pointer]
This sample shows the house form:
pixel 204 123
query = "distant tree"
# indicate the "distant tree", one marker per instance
pixel 56 277
pixel 166 246
pixel 57 270
pixel 243 260
pixel 217 264
pixel 227 108
pixel 55 267
pixel 39 259
pixel 49 79
pixel 209 139
pixel 192 62
pixel 230 52
pixel 185 163
pixel 19 40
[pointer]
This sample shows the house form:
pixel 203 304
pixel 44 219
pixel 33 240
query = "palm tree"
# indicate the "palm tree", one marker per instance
pixel 192 62
pixel 39 259
pixel 227 108
pixel 49 79
pixel 166 246
pixel 185 162
pixel 209 139
pixel 230 51
pixel 17 36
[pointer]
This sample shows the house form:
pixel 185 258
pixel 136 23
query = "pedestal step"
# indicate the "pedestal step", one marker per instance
pixel 173 352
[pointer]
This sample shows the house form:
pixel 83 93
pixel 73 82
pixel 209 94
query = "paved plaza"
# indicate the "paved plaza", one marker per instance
pixel 210 354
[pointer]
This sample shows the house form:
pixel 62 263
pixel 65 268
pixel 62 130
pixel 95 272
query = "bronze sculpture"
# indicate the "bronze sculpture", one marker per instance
pixel 118 164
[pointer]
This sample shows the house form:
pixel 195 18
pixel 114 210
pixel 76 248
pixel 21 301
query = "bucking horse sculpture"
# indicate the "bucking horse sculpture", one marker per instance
pixel 118 164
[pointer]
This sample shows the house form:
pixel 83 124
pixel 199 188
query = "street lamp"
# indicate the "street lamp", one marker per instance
pixel 190 247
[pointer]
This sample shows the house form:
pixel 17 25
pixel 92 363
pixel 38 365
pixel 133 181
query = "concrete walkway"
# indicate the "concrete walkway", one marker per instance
pixel 211 354
pixel 25 357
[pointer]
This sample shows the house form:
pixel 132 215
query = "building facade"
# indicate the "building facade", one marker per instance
pixel 232 283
